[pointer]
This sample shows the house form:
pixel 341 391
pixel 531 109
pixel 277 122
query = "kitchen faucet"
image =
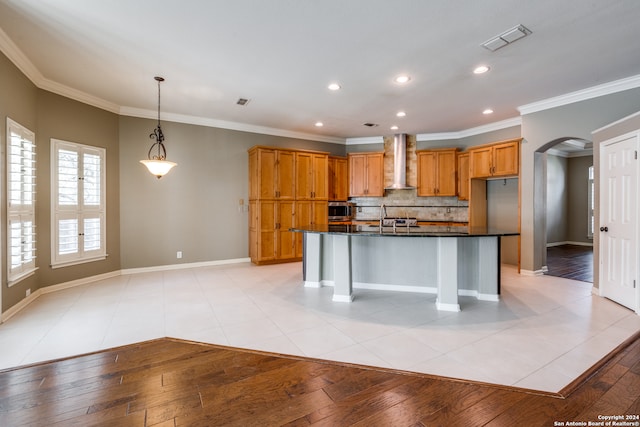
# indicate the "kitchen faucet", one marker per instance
pixel 383 213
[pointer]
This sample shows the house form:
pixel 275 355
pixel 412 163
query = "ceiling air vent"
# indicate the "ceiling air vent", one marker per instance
pixel 370 125
pixel 508 37
pixel 242 101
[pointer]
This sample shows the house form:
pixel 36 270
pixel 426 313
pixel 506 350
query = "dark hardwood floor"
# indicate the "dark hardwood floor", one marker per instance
pixel 571 261
pixel 168 382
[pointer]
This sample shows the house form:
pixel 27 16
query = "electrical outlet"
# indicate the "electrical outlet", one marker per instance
pixel 179 254
pixel 28 291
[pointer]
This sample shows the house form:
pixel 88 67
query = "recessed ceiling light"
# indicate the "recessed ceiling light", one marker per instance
pixel 334 86
pixel 319 124
pixel 401 114
pixel 402 79
pixel 481 69
pixel 487 111
pixel 394 127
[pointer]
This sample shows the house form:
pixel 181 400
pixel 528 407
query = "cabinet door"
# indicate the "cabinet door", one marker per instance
pixel 320 188
pixel 375 175
pixel 480 162
pixel 320 213
pixel 286 179
pixel 286 240
pixel 505 159
pixel 303 217
pixel 427 173
pixel 267 221
pixel 253 230
pixel 341 180
pixel 267 174
pixel 304 178
pixel 446 178
pixel 357 175
pixel 463 176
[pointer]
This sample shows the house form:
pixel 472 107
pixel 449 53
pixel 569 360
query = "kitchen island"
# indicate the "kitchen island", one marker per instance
pixel 427 259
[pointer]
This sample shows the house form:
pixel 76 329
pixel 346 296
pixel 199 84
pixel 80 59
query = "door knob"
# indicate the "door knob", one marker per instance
pixel 605 229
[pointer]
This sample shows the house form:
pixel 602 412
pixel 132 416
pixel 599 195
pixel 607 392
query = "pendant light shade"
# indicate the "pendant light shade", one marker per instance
pixel 156 159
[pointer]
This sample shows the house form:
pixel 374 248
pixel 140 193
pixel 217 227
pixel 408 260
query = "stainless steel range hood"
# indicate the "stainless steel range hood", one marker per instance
pixel 399 163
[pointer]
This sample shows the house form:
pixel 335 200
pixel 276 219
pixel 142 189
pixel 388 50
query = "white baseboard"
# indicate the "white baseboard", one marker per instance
pixel 524 272
pixel 185 265
pixel 447 307
pixel 568 242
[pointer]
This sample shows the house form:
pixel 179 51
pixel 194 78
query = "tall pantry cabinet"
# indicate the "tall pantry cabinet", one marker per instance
pixel 287 188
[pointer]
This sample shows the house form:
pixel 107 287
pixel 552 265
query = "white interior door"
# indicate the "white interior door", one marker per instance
pixel 619 221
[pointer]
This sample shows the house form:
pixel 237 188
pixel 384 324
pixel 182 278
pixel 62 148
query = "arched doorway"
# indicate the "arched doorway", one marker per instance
pixel 567 241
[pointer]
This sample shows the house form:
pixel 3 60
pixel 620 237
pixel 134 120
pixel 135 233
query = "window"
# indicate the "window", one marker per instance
pixel 78 203
pixel 21 191
pixel 591 219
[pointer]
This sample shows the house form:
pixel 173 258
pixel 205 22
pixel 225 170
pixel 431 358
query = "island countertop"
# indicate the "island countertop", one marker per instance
pixel 404 231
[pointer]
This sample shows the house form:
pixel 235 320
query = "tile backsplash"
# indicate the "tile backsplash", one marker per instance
pixel 405 203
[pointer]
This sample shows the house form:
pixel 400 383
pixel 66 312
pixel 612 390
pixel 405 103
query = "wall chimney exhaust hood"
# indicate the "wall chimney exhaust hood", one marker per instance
pixel 399 163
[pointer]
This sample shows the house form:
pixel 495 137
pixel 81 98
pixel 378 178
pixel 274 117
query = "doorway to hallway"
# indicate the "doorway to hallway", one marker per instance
pixel 570 261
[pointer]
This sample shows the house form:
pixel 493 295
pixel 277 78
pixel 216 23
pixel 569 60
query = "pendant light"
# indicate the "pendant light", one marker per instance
pixel 157 163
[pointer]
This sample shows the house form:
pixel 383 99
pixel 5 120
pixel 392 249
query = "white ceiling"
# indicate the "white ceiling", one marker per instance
pixel 282 54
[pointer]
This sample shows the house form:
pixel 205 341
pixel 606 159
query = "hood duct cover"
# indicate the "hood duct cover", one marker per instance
pixel 400 163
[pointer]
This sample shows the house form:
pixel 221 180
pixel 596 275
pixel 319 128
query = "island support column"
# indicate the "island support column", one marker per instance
pixel 312 260
pixel 489 268
pixel 447 274
pixel 343 285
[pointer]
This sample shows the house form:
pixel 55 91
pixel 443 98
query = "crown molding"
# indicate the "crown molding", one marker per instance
pixel 19 59
pixel 365 140
pixel 224 124
pixel 617 122
pixel 490 127
pixel 582 95
pixel 570 154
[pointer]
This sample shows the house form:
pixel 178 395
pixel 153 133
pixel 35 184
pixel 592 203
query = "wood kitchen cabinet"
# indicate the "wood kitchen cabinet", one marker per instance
pixel 269 235
pixel 271 174
pixel 286 188
pixel 495 160
pixel 338 178
pixel 463 176
pixel 312 181
pixel 308 212
pixel 366 174
pixel 437 172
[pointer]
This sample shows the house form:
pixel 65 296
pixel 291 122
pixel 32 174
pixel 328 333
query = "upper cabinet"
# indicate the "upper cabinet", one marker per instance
pixel 366 174
pixel 271 174
pixel 437 172
pixel 495 160
pixel 338 178
pixel 463 176
pixel 312 176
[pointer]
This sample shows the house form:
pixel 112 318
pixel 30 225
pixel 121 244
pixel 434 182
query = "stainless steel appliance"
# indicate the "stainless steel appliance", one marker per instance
pixel 341 211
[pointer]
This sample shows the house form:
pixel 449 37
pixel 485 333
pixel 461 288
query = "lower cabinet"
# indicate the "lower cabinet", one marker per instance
pixel 269 237
pixel 307 213
pixel 270 240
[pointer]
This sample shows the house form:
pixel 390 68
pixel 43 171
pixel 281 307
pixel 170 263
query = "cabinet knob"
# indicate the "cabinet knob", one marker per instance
pixel 605 229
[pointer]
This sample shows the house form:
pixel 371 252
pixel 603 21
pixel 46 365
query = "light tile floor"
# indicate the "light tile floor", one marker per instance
pixel 544 332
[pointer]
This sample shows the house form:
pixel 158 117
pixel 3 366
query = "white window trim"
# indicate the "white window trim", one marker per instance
pixel 20 212
pixel 79 211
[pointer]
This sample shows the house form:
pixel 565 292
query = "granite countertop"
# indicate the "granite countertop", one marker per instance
pixel 401 231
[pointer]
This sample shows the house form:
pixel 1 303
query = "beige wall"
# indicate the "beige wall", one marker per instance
pixel 195 208
pixel 54 116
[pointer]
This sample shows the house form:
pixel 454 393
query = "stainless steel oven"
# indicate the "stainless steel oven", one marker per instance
pixel 340 211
